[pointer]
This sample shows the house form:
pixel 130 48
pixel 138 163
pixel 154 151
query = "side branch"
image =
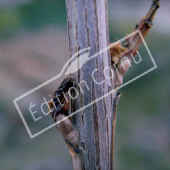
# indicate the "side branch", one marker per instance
pixel 122 56
pixel 115 104
pixel 144 26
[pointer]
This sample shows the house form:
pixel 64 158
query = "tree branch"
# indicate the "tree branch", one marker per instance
pixel 90 134
pixel 122 56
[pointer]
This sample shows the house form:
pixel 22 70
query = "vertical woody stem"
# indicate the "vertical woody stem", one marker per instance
pixel 88 27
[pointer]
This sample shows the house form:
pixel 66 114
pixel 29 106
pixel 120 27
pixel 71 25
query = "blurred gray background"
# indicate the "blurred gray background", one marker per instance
pixel 34 47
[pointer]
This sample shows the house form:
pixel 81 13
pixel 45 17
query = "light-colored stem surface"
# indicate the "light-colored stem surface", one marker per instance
pixel 88 27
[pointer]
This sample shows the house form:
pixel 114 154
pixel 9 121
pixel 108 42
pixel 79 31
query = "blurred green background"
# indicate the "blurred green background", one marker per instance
pixel 34 47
